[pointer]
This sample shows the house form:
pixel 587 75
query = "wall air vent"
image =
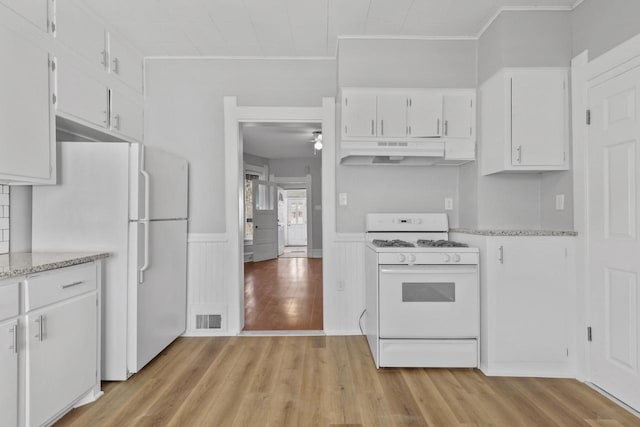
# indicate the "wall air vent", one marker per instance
pixel 208 321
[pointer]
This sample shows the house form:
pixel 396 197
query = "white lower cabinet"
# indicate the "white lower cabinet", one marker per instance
pixel 62 355
pixel 9 373
pixel 50 348
pixel 527 289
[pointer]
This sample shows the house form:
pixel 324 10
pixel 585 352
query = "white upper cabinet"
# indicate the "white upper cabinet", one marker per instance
pixel 81 98
pixel 82 33
pixel 359 115
pixel 459 116
pixel 525 121
pixel 127 117
pixel 27 123
pixel 34 11
pixel 125 63
pixel 392 115
pixel 424 116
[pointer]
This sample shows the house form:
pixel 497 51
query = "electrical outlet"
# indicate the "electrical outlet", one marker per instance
pixel 448 204
pixel 342 199
pixel 559 202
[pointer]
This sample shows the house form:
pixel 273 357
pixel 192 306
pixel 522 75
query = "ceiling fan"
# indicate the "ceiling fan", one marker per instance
pixel 317 141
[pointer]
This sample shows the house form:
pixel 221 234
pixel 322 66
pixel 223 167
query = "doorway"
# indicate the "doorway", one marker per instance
pixel 282 269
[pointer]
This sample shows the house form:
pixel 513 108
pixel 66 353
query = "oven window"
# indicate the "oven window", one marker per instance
pixel 428 292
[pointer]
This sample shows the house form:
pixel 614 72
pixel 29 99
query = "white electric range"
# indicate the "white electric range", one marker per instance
pixel 422 293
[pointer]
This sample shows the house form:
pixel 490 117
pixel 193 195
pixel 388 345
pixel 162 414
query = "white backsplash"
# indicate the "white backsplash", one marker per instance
pixel 4 219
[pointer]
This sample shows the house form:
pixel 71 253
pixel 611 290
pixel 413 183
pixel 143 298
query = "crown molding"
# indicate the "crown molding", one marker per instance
pixel 486 26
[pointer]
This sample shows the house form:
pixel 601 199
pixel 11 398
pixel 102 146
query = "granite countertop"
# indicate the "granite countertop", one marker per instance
pixel 515 232
pixel 23 263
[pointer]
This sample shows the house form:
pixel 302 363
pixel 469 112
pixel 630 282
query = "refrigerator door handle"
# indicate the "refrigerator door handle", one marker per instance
pixel 145 265
pixel 147 186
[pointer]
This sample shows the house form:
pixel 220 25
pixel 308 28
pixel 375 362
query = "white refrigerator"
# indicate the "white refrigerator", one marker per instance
pixel 131 201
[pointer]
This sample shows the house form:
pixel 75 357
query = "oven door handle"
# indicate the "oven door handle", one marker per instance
pixel 428 271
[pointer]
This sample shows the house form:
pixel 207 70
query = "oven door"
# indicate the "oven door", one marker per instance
pixel 429 301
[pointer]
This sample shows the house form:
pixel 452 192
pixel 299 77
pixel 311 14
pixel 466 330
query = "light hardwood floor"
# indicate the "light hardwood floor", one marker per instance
pixel 330 381
pixel 283 294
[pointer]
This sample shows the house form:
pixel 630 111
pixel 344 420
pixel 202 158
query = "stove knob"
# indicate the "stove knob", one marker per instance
pixel 412 258
pixel 401 257
pixel 456 258
pixel 446 257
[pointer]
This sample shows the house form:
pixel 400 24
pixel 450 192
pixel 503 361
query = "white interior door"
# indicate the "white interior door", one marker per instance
pixel 614 157
pixel 265 221
pixel 296 222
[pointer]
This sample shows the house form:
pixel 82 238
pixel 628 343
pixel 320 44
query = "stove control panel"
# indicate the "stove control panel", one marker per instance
pixel 399 258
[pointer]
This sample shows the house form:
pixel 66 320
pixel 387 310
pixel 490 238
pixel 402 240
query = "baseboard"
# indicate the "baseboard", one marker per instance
pixel 315 253
pixel 207 333
pixel 339 333
pixel 537 370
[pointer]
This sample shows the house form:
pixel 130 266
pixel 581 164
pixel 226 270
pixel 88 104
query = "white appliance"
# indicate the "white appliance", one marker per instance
pixel 131 201
pixel 422 293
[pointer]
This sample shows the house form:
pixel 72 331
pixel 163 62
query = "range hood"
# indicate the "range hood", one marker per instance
pixel 424 152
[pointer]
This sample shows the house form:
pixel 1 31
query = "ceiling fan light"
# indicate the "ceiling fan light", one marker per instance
pixel 317 145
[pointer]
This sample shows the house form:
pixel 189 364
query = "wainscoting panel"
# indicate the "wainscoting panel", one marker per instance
pixel 206 278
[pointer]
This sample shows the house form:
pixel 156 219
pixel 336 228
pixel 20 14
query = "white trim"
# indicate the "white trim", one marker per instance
pixel 244 58
pixel 293 333
pixel 207 237
pixel 486 26
pixel 314 253
pixel 349 238
pixel 234 115
pixel 343 332
pixel 404 37
pixel 576 4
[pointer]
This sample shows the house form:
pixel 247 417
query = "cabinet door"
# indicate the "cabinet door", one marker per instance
pixel 81 97
pixel 458 116
pixel 539 118
pixel 359 115
pixel 125 63
pixel 27 125
pixel 392 115
pixel 424 116
pixel 9 373
pixel 81 32
pixel 530 291
pixel 34 11
pixel 126 117
pixel 62 362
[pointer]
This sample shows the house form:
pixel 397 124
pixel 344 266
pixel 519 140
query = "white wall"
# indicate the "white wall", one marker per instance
pixel 400 63
pixel 184 114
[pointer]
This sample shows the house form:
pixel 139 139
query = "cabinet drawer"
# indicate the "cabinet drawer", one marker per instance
pixel 50 287
pixel 9 300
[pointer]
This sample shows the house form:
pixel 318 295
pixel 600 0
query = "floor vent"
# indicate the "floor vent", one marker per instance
pixel 208 321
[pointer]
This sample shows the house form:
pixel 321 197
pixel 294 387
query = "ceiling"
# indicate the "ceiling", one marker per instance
pixel 297 28
pixel 279 140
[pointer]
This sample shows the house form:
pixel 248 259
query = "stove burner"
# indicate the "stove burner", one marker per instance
pixel 392 243
pixel 441 244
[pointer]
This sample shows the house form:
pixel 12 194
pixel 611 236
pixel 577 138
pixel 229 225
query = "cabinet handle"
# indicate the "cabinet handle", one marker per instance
pixel 71 285
pixel 446 127
pixel 14 339
pixel 104 58
pixel 382 127
pixel 438 127
pixel 409 130
pixel 40 322
pixel 116 65
pixel 372 125
pixel 519 154
pixel 116 122
pixel 106 117
pixel 501 254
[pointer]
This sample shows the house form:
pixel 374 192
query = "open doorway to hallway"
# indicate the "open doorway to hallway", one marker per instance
pixel 283 226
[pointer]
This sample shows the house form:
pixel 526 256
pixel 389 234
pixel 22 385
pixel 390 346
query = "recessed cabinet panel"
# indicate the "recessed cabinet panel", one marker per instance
pixel 424 115
pixel 359 115
pixel 538 119
pixel 62 360
pixel 81 97
pixel 458 116
pixel 9 373
pixel 392 115
pixel 34 11
pixel 81 32
pixel 125 63
pixel 126 117
pixel 27 137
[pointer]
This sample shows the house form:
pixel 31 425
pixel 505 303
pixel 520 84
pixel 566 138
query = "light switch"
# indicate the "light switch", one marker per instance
pixel 559 202
pixel 448 204
pixel 342 199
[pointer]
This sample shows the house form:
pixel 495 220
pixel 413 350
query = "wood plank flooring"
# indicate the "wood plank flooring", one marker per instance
pixel 283 294
pixel 330 381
